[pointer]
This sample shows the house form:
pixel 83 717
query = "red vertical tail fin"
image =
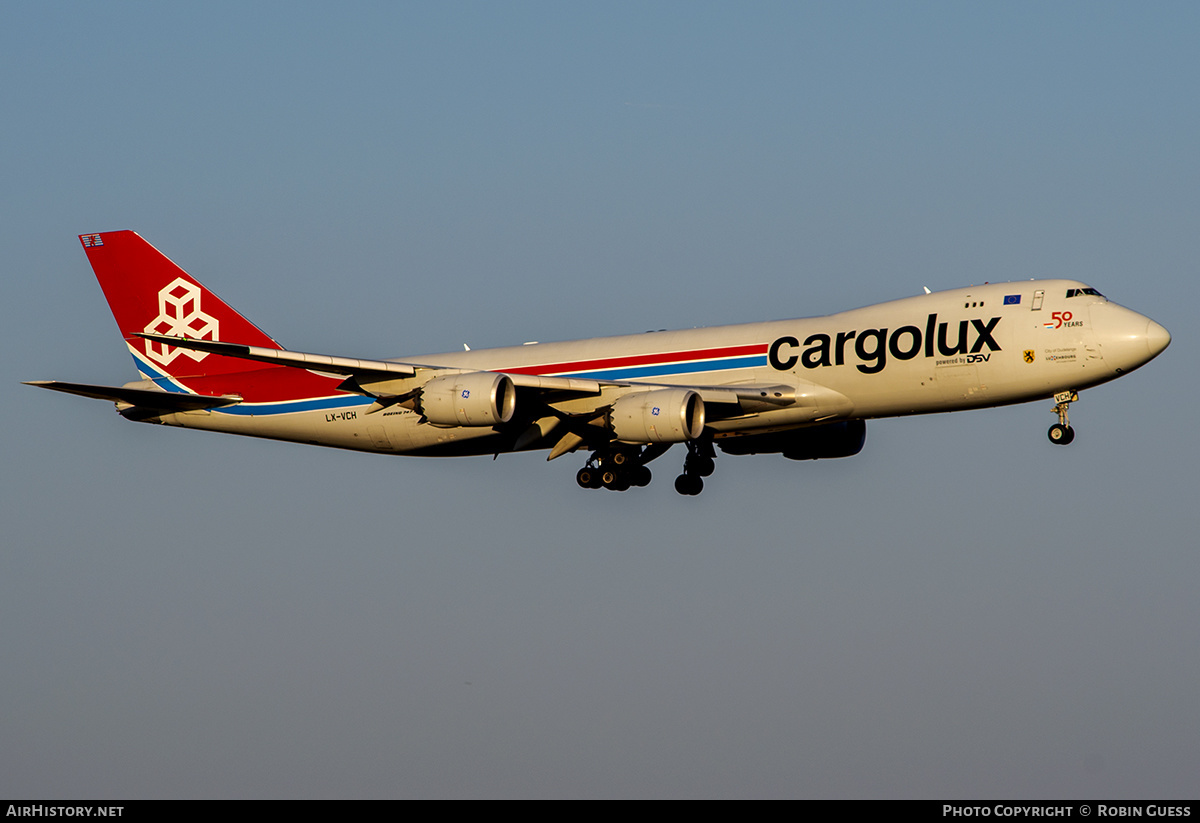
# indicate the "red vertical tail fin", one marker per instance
pixel 149 293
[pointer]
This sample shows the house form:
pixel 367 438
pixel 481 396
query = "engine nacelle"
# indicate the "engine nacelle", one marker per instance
pixel 842 439
pixel 658 416
pixel 479 398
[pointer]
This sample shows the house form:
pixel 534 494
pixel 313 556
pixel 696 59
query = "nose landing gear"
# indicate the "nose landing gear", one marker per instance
pixel 1061 433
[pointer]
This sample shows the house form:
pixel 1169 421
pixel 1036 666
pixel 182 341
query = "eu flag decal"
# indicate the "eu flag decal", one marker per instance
pixel 1012 299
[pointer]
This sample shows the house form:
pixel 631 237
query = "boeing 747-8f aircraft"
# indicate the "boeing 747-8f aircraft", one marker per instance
pixel 801 388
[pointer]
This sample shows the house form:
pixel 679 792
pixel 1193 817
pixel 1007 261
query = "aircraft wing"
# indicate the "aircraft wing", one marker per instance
pixel 366 372
pixel 282 357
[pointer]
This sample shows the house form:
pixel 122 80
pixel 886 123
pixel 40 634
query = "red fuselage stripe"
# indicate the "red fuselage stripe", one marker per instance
pixel 640 360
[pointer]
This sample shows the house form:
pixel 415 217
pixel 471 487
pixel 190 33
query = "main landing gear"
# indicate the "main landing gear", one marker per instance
pixel 616 471
pixel 697 465
pixel 619 469
pixel 1061 432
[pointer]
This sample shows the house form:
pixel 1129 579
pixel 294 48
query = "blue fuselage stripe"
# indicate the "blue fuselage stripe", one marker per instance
pixel 751 362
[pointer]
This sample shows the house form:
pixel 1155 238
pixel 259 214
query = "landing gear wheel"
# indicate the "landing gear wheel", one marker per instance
pixel 1061 435
pixel 588 478
pixel 699 465
pixel 640 476
pixel 615 481
pixel 689 484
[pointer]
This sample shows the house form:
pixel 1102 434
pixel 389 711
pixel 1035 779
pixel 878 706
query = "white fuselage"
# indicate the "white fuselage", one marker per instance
pixel 987 345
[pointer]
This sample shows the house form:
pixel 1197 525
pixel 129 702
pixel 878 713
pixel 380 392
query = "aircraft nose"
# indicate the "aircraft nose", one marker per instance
pixel 1127 339
pixel 1157 338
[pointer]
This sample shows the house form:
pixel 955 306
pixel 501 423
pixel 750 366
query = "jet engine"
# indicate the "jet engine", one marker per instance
pixel 658 416
pixel 842 439
pixel 478 398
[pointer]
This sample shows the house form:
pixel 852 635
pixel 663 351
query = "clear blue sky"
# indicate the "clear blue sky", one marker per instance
pixel 962 610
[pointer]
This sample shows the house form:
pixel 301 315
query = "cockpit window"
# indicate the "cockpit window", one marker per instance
pixel 1081 292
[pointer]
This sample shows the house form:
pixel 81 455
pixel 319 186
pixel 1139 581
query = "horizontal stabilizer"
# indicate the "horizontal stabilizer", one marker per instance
pixel 142 398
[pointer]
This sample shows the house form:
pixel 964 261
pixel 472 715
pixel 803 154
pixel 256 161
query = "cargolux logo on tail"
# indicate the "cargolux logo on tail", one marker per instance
pixel 179 315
